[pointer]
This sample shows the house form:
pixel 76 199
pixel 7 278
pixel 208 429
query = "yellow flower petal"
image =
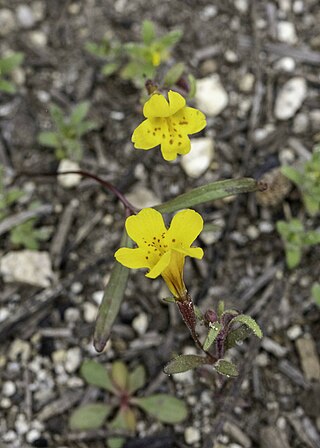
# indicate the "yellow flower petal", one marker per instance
pixel 176 101
pixel 174 144
pixel 162 264
pixel 132 258
pixel 145 136
pixel 184 229
pixel 156 106
pixel 173 275
pixel 189 120
pixel 145 226
pixel 193 252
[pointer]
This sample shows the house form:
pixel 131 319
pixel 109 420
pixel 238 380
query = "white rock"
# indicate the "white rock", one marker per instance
pixel 21 424
pixel 184 377
pixel 68 180
pixel 25 16
pixel 140 323
pixel 5 403
pixel 4 313
pixel 246 83
pixel 38 38
pixel 7 22
pixel 298 7
pixel 290 98
pixel 97 296
pixel 8 388
pixel 286 32
pixel 19 349
pixel 211 97
pixel 199 158
pixel 300 123
pixel 73 359
pixel 27 266
pixel 294 332
pixel 241 5
pixel 9 436
pixel 89 312
pixel 142 197
pixel 192 435
pixel 286 64
pixel 32 435
pixel 72 314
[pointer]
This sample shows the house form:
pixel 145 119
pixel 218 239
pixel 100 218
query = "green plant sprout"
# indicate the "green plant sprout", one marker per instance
pixel 307 179
pixel 315 292
pixel 66 140
pixel 122 385
pixel 7 65
pixel 25 234
pixel 295 239
pixel 144 57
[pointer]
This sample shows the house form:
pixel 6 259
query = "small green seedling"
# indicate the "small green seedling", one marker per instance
pixel 66 140
pixel 307 179
pixel 315 291
pixel 25 234
pixel 226 329
pixel 7 65
pixel 295 239
pixel 122 384
pixel 144 57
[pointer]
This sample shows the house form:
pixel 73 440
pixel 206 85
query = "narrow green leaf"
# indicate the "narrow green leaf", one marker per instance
pixel 50 139
pixel 57 116
pixel 220 308
pixel 112 299
pixel 137 379
pixel 7 87
pixel 192 86
pixel 8 63
pixel 96 375
pixel 183 363
pixel 226 368
pixel 89 416
pixel 250 323
pixel 237 336
pixel 163 407
pixel 120 374
pixel 209 192
pixel 169 39
pixel 293 256
pixel 110 68
pixel 80 112
pixel 115 442
pixel 212 335
pixel 174 74
pixel 148 32
pixel 293 174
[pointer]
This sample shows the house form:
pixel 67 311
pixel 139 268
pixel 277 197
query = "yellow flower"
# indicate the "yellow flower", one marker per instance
pixel 168 123
pixel 162 250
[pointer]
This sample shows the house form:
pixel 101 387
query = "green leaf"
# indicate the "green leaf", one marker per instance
pixel 237 336
pixel 315 291
pixel 170 39
pixel 312 205
pixel 96 375
pixel 174 74
pixel 250 323
pixel 7 87
pixel 120 374
pixel 50 139
pixel 148 32
pixel 209 192
pixel 192 86
pixel 137 379
pixel 57 116
pixel 79 113
pixel 183 363
pixel 163 407
pixel 110 68
pixel 112 299
pixel 8 63
pixel 293 256
pixel 226 368
pixel 220 308
pixel 292 174
pixel 89 416
pixel 115 442
pixel 212 335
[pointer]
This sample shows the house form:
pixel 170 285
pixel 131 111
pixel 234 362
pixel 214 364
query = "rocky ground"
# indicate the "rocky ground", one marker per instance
pixel 258 70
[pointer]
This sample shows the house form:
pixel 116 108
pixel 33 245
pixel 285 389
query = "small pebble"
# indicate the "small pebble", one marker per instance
pixel 25 16
pixel 4 313
pixel 32 435
pixel 196 163
pixel 140 323
pixel 76 288
pixel 72 314
pixel 241 5
pixel 290 98
pixel 97 296
pixel 9 436
pixel 19 349
pixel 5 403
pixel 211 97
pixel 246 83
pixel 142 197
pixel 192 435
pixel 286 64
pixel 286 32
pixel 273 347
pixel 38 38
pixel 7 22
pixel 68 180
pixel 294 332
pixel 73 359
pixel 8 388
pixel 89 312
pixel 21 424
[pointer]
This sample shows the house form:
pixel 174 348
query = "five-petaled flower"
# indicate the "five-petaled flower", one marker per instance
pixel 168 123
pixel 162 250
